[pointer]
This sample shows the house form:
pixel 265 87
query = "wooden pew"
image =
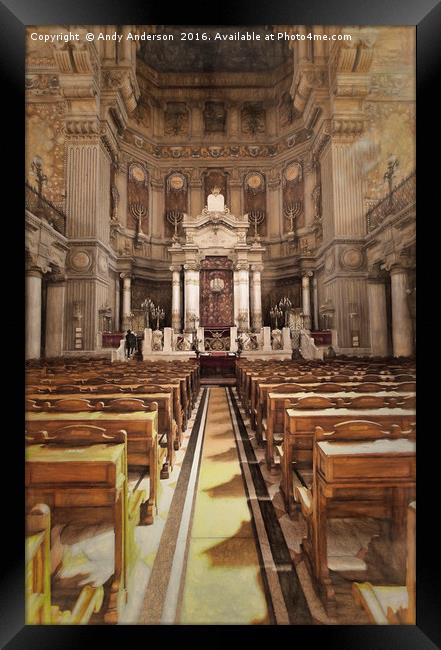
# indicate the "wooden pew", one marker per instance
pixel 141 427
pixel 359 469
pixel 273 426
pixel 299 427
pixel 392 604
pixel 163 397
pixel 80 471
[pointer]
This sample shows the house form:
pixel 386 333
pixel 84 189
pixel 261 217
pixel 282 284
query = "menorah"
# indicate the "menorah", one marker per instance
pixel 174 217
pixel 257 217
pixel 139 212
pixel 291 211
pixel 159 314
pixel 276 314
pixel 148 305
pixel 285 305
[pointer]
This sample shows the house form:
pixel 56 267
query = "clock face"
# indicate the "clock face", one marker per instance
pixel 138 173
pixel 176 182
pixel 254 181
pixel 292 172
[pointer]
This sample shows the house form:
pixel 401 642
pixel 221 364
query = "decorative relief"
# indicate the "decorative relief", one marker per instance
pixel 286 110
pixel 42 84
pixel 214 117
pixel 351 259
pixel 209 152
pixel 176 119
pixel 293 190
pixel 80 260
pixel 137 198
pixel 176 201
pixel 45 138
pixel 330 263
pixel 253 118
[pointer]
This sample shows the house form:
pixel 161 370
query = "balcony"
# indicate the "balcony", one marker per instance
pixel 402 196
pixel 44 209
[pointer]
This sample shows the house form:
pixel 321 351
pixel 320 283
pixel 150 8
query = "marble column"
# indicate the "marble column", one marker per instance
pixel 117 324
pixel 377 317
pixel 401 320
pixel 191 293
pixel 33 313
pixel 306 300
pixel 55 309
pixel 126 301
pixel 236 296
pixel 176 299
pixel 315 303
pixel 256 298
pixel 244 293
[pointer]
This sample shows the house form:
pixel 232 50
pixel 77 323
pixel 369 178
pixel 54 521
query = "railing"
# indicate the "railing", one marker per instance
pixel 402 196
pixel 44 209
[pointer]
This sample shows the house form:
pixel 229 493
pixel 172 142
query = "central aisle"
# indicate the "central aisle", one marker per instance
pixel 222 582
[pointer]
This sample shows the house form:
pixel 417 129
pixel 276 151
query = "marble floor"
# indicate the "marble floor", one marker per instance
pixel 222 582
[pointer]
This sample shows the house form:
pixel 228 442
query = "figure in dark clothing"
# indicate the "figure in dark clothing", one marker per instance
pixel 130 343
pixel 134 342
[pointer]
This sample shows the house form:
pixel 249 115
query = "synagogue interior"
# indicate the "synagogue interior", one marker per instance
pixel 220 325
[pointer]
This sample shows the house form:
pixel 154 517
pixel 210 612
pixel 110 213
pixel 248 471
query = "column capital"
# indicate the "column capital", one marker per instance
pixel 57 278
pixel 34 272
pixel 191 266
pixel 175 269
pixel 307 275
pixel 242 266
pixel 125 276
pixel 257 268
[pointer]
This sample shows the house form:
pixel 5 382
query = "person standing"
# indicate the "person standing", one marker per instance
pixel 128 343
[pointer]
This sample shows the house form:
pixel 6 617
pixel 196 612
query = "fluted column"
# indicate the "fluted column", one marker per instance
pixel 256 297
pixel 55 310
pixel 33 313
pixel 176 299
pixel 378 316
pixel 191 291
pixel 306 300
pixel 126 301
pixel 401 320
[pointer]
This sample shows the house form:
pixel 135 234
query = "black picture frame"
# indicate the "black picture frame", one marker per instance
pixel 15 15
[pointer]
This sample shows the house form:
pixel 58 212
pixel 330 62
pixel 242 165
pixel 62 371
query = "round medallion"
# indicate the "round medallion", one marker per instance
pixel 80 260
pixel 138 173
pixel 293 172
pixel 352 259
pixel 254 181
pixel 176 182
